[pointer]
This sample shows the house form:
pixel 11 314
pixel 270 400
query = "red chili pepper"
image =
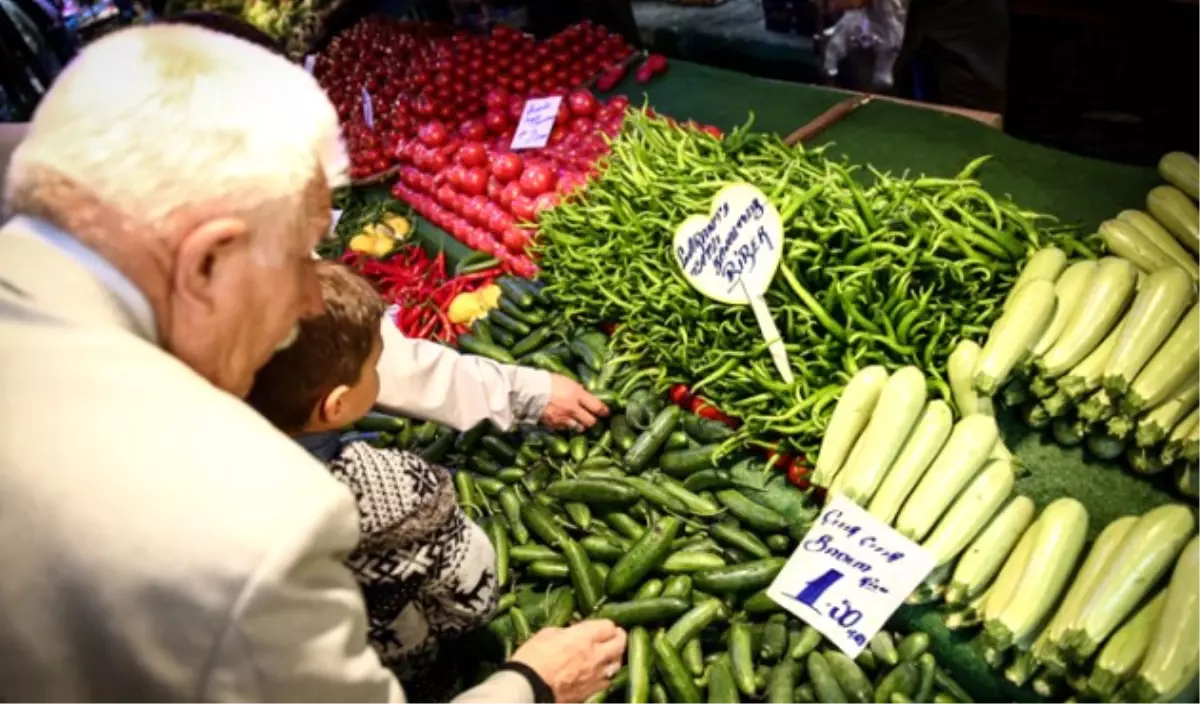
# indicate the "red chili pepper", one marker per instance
pixel 609 328
pixel 681 396
pixel 797 474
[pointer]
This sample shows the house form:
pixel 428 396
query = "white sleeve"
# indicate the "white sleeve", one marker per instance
pixel 422 379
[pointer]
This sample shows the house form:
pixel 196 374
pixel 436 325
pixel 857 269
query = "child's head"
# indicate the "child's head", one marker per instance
pixel 327 378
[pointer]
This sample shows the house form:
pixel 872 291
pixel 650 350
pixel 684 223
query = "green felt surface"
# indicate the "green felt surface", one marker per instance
pixel 896 138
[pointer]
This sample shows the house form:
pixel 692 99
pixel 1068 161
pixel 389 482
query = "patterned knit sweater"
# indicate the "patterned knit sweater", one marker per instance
pixel 426 571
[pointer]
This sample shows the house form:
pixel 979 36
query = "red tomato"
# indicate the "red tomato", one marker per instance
pixel 545 201
pixel 474 181
pixel 581 125
pixel 620 102
pixel 582 103
pixel 433 134
pixel 644 73
pixel 536 179
pixel 472 154
pixel 515 239
pixel 797 474
pixel 496 99
pixel 510 193
pixel 473 130
pixel 496 122
pixel 522 208
pixel 507 166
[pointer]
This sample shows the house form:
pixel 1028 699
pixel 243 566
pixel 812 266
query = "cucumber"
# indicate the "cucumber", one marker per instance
pixel 781 683
pixel 602 549
pixel 740 539
pixel 705 431
pixel 1172 208
pixel 585 579
pixel 643 557
pixel 514 291
pixel 682 463
pixel 1125 240
pixel 721 687
pixel 751 513
pixel 884 648
pixel 539 520
pixel 821 676
pixel 691 562
pixel 534 553
pixel 1068 291
pixel 920 448
pixel 1102 306
pixel 1174 362
pixel 743 577
pixel 531 316
pixel 971 511
pixel 850 679
pixel 900 404
pixel 623 435
pixel 562 608
pixel 903 679
pixel 741 657
pixel 913 646
pixel 774 640
pixel 689 625
pixel 960 459
pixel 1014 335
pixel 649 589
pixel 1059 536
pixel 651 441
pixel 639 654
pixel 1156 310
pixel 548 570
pixel 1146 553
pixel 624 524
pixel 692 654
pixel 474 345
pixel 708 479
pixel 807 642
pixel 593 491
pixel 674 674
pixel 1171 661
pixel 644 612
pixel 983 558
pixel 655 494
pixel 850 416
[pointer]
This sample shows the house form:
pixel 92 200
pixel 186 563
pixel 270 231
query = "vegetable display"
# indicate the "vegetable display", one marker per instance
pixel 615 523
pixel 893 272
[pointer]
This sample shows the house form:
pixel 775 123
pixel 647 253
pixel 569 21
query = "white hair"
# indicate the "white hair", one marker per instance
pixel 156 119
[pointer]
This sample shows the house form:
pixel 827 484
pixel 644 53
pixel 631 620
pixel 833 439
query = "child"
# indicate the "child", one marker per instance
pixel 427 573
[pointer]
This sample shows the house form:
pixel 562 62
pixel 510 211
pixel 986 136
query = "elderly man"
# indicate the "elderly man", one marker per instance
pixel 160 541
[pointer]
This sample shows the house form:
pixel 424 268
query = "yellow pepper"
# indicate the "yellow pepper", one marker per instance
pixel 490 295
pixel 466 308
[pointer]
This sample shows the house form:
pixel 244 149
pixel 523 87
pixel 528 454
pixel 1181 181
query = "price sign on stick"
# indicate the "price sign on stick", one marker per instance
pixel 849 575
pixel 731 255
pixel 368 108
pixel 537 121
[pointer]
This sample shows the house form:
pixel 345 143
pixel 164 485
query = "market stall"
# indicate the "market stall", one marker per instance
pixel 993 357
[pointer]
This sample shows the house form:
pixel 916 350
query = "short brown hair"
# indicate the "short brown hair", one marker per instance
pixel 330 351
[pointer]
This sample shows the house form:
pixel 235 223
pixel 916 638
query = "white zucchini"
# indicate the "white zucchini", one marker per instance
pixel 1086 376
pixel 1006 582
pixel 983 558
pixel 1145 554
pixel 1180 434
pixel 1171 661
pixel 1155 312
pixel 1152 231
pixel 959 461
pixel 1068 291
pixel 960 368
pixel 922 445
pixel 1045 265
pixel 850 416
pixel 971 511
pixel 1187 480
pixel 1177 213
pixel 1153 427
pixel 1174 361
pixel 1102 306
pixel 896 413
pixel 1181 171
pixel 1098 558
pixel 1125 240
pixel 1012 336
pixel 1126 650
pixel 1000 451
pixel 1061 532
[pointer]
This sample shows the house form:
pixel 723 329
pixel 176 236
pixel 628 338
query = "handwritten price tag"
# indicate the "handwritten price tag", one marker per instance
pixel 537 121
pixel 849 575
pixel 731 255
pixel 368 108
pixel 309 62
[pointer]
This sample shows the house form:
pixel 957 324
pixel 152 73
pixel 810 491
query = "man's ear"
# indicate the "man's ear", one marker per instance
pixel 201 254
pixel 334 409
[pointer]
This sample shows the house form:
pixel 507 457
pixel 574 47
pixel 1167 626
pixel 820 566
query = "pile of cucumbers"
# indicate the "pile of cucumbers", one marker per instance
pixel 644 520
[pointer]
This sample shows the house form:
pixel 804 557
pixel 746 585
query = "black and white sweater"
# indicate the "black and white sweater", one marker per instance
pixel 427 572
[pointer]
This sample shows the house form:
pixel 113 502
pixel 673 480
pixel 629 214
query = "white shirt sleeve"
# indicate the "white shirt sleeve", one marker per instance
pixel 422 379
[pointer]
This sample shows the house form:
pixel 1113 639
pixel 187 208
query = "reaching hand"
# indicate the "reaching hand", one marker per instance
pixel 575 662
pixel 571 406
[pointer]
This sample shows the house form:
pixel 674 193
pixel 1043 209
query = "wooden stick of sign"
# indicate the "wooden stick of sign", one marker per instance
pixel 827 119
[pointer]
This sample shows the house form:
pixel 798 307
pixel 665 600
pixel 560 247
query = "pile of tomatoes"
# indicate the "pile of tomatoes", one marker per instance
pixel 414 73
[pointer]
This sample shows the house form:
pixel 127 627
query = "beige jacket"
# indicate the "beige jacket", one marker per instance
pixel 158 539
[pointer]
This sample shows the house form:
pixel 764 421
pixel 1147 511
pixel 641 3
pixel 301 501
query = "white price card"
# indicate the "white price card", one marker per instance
pixel 309 62
pixel 731 255
pixel 368 108
pixel 537 121
pixel 849 575
pixel 335 216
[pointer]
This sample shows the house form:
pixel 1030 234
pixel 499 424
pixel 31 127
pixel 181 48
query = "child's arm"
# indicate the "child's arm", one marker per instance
pixel 408 507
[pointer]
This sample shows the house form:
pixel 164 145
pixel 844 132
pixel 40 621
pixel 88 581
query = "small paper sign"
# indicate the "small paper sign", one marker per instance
pixel 309 62
pixel 849 575
pixel 368 108
pixel 335 216
pixel 731 255
pixel 537 121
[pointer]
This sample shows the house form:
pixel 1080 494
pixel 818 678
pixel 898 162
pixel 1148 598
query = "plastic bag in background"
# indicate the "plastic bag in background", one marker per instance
pixel 879 27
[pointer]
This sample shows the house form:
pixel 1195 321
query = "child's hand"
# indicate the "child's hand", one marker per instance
pixel 575 662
